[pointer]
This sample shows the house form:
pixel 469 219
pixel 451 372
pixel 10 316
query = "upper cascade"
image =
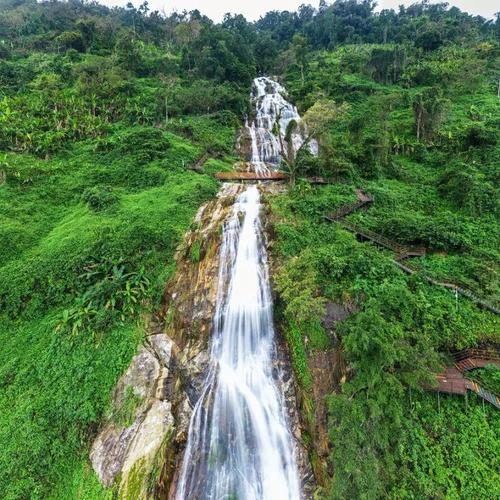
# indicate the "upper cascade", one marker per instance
pixel 267 131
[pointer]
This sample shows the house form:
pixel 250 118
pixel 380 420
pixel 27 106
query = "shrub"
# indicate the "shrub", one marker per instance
pixel 99 197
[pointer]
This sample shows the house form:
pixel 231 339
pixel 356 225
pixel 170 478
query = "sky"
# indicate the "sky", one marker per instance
pixel 253 9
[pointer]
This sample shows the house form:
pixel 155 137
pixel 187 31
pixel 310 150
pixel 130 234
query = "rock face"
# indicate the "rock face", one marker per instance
pixel 137 386
pixel 328 371
pixel 139 449
pixel 152 402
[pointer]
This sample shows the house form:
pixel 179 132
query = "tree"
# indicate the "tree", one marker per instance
pixel 185 34
pixel 321 116
pixel 315 124
pixel 299 45
pixel 429 110
pixel 70 40
pixel 127 52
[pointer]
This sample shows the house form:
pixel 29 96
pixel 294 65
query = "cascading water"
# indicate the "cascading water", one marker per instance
pixel 268 130
pixel 239 445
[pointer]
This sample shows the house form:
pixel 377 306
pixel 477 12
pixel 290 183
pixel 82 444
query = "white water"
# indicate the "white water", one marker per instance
pixel 239 444
pixel 268 130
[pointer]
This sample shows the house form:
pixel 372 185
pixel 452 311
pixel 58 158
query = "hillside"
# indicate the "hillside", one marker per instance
pixel 112 124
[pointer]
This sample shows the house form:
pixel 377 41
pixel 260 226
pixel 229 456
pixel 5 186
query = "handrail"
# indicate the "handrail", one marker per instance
pixel 402 252
pixel 362 200
pixel 450 286
pixel 378 238
pixel 345 210
pixel 483 392
pixel 491 353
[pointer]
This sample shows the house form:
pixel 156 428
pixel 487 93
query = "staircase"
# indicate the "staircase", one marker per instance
pixel 486 395
pixel 452 287
pixel 402 252
pixel 469 359
pixel 362 200
pixel 198 166
pixel 453 381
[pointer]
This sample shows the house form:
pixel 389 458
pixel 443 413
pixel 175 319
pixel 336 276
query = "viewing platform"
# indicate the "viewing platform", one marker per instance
pixel 453 380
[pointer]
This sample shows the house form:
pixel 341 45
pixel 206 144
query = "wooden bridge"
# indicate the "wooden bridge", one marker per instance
pixel 251 176
pixel 453 381
pixel 264 176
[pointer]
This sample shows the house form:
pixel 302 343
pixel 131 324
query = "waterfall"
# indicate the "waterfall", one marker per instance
pixel 239 444
pixel 267 131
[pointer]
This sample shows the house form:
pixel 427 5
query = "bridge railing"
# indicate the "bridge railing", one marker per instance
pixel 488 353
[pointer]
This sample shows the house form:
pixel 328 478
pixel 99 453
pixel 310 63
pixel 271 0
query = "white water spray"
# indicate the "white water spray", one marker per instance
pixel 239 444
pixel 268 130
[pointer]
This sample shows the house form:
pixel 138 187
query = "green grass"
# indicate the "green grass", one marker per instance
pixel 79 226
pixel 55 390
pixel 213 166
pixel 81 482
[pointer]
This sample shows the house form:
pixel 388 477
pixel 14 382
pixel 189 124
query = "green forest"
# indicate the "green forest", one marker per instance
pixel 106 115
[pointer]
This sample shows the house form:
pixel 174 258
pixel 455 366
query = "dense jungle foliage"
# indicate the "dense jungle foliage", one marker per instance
pixel 104 113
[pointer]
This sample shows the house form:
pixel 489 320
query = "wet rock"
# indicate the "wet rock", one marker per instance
pixel 109 450
pixel 162 346
pixel 244 144
pixel 111 447
pixel 334 312
pixel 183 415
pixel 191 304
pixel 141 454
pixel 163 381
pixel 289 389
pixel 141 377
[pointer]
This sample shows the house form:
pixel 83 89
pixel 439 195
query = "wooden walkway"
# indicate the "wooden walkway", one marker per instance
pixel 402 252
pixel 470 359
pixel 198 165
pixel 453 380
pixel 362 200
pixel 453 287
